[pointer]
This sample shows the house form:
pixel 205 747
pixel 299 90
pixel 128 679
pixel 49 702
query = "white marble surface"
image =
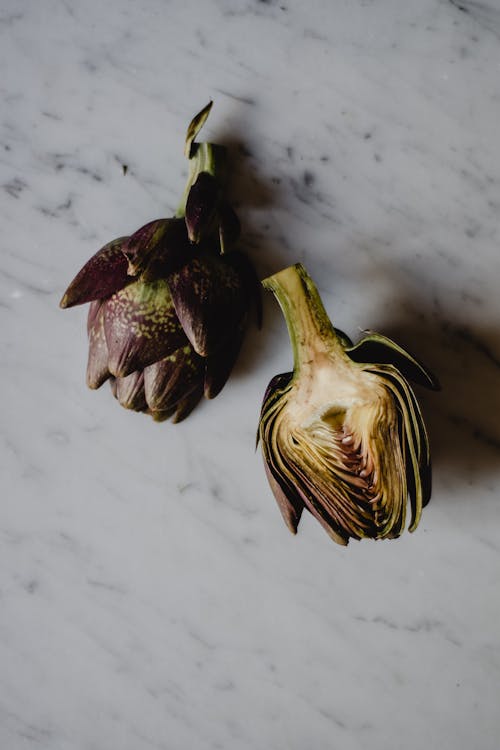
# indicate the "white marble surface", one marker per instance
pixel 150 595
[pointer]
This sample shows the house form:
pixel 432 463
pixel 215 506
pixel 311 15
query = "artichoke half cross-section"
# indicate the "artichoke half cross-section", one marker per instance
pixel 343 435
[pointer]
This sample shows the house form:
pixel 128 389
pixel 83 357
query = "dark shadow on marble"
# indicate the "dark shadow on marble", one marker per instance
pixel 254 194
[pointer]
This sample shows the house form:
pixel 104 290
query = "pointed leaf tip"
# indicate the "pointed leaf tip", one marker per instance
pixel 194 128
pixel 379 349
pixel 157 248
pixel 102 275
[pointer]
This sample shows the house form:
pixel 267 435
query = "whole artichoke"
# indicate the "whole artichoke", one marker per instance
pixel 342 435
pixel 169 304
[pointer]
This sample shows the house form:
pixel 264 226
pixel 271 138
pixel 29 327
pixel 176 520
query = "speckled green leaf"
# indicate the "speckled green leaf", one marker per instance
pixel 140 326
pixel 97 364
pixel 158 248
pixel 210 301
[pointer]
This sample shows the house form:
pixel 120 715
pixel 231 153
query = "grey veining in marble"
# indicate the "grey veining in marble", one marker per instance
pixel 150 595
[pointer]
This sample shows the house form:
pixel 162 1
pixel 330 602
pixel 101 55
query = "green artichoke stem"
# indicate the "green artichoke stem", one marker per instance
pixel 311 333
pixel 207 157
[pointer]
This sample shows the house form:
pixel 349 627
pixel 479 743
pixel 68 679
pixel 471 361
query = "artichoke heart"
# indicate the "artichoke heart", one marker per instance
pixel 343 435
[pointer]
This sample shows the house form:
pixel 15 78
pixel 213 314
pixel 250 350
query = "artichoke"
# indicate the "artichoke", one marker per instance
pixel 342 435
pixel 169 304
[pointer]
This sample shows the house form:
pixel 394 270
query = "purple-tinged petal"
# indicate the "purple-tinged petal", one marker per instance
pixel 209 301
pixel 130 391
pixel 187 404
pixel 181 409
pixel 104 274
pixel 158 248
pixel 162 415
pixel 97 365
pixel 201 206
pixel 290 511
pixel 140 326
pixel 219 365
pixel 170 379
pixel 93 312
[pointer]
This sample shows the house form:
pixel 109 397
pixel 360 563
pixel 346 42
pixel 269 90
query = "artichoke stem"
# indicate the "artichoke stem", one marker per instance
pixel 311 332
pixel 207 157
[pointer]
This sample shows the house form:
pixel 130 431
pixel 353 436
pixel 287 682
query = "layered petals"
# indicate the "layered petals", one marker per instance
pixel 341 437
pixel 157 248
pixel 169 303
pixel 210 301
pixel 140 326
pixel 171 379
pixel 130 391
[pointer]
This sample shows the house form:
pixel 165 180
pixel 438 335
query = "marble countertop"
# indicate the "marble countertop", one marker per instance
pixel 150 595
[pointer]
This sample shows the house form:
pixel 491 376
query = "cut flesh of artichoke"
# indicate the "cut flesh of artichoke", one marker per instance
pixel 342 437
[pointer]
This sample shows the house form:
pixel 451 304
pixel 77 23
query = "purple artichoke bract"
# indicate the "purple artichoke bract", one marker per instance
pixel 169 304
pixel 342 435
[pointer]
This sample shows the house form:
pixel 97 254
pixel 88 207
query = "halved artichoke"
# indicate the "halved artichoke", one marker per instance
pixel 343 435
